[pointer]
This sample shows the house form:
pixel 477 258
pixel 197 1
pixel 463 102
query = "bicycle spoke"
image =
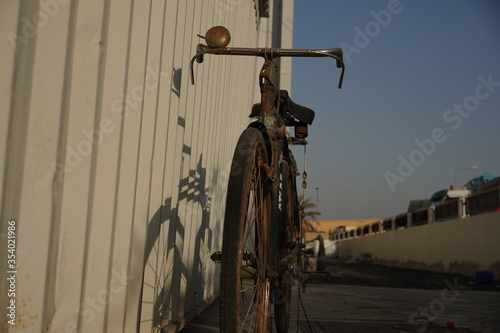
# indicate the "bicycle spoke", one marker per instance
pixel 253 307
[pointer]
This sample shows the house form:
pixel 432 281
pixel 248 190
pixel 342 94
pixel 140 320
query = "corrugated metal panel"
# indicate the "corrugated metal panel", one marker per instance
pixel 116 166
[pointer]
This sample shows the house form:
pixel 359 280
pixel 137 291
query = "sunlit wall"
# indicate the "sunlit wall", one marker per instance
pixel 114 167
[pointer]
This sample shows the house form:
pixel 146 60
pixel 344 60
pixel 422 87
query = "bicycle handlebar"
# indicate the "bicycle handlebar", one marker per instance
pixel 270 53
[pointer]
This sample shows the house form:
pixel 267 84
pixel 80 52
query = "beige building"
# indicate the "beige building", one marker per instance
pixel 113 166
pixel 329 226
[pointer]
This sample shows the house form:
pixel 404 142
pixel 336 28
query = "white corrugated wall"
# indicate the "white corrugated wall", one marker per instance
pixel 114 167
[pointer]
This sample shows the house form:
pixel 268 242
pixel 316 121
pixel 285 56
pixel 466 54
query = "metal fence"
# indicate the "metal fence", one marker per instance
pixel 486 201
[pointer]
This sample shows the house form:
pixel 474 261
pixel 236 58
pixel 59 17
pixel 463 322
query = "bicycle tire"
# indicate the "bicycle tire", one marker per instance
pixel 245 286
pixel 288 234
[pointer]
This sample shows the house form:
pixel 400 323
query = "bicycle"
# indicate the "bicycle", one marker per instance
pixel 262 233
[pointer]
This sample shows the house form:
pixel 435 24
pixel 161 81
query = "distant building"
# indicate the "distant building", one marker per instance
pixel 329 226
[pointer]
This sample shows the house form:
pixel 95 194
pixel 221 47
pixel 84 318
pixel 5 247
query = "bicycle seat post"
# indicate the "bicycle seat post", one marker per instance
pixel 269 85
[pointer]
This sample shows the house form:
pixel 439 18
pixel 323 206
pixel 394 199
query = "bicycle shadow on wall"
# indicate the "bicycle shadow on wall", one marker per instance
pixel 170 228
pixel 176 81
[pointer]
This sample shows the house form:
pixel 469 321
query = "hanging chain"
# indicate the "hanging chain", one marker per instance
pixel 304 186
pixel 304 174
pixel 302 286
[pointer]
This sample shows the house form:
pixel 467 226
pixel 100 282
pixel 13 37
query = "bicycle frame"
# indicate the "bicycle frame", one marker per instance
pixel 269 79
pixel 264 195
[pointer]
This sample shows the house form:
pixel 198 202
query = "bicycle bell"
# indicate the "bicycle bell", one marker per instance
pixel 217 37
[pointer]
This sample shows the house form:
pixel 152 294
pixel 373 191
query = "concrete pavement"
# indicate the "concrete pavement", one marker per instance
pixel 345 308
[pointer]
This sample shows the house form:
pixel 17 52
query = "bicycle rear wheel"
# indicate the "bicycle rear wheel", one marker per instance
pixel 287 234
pixel 245 286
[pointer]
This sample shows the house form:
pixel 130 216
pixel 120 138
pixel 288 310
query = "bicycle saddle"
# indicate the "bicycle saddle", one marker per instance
pixel 289 110
pixel 302 113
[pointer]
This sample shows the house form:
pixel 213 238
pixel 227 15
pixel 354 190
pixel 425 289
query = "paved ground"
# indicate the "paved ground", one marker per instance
pixel 342 308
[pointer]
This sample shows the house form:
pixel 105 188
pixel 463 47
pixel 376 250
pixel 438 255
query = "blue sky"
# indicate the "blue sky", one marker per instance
pixel 421 98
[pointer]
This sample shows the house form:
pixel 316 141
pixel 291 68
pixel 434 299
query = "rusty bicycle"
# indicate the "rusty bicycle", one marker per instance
pixel 262 233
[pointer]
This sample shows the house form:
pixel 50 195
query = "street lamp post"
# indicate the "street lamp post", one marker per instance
pixel 317 198
pixel 456 171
